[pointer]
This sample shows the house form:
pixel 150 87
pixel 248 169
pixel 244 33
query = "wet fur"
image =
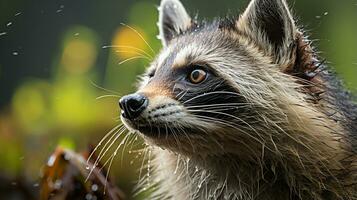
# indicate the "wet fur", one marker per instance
pixel 294 137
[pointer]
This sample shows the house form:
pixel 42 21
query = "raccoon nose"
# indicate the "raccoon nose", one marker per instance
pixel 133 105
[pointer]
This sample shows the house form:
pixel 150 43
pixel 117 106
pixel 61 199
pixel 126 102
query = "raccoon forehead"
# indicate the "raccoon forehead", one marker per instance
pixel 184 55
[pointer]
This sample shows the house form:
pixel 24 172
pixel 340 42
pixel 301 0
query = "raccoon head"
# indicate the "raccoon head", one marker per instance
pixel 217 87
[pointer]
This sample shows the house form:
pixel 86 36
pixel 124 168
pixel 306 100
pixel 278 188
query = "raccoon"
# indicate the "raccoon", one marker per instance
pixel 242 108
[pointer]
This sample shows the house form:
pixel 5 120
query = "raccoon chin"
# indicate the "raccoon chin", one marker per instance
pixel 158 130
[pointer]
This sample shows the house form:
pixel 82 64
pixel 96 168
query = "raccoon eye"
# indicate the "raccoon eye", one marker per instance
pixel 197 76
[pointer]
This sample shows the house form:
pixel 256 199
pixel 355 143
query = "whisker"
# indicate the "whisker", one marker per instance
pixel 102 88
pixel 183 95
pixel 101 155
pixel 229 115
pixel 115 151
pixel 227 123
pixel 111 158
pixel 107 174
pixel 137 32
pixel 219 104
pixel 132 58
pixel 128 47
pixel 176 136
pixel 187 136
pixel 210 93
pixel 102 140
pixel 133 52
pixel 132 142
pixel 111 144
pixel 143 161
pixel 107 96
pixel 124 147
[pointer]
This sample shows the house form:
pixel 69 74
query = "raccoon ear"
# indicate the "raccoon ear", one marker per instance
pixel 270 23
pixel 173 20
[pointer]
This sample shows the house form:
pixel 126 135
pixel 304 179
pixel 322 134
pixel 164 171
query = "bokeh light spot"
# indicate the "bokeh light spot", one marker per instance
pixel 78 56
pixel 79 51
pixel 29 103
pixel 127 43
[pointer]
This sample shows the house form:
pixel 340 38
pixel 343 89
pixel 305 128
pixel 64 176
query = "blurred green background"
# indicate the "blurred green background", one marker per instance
pixel 54 64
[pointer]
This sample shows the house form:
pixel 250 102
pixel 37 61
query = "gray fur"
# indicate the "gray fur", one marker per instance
pixel 295 136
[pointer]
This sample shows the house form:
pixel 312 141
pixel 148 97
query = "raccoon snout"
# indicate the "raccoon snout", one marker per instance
pixel 133 105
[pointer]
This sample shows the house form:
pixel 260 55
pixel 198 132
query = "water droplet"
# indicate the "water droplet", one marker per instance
pixel 36 184
pixel 14 183
pixel 196 169
pixel 51 160
pixel 76 34
pixel 67 157
pixel 318 17
pixel 199 185
pixel 89 196
pixel 3 33
pixel 131 162
pixel 17 14
pixel 326 13
pixel 9 24
pixel 58 184
pixel 87 167
pixel 94 187
pixel 129 152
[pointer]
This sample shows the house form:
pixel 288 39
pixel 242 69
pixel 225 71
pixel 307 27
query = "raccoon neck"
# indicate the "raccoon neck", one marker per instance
pixel 227 177
pixel 223 177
